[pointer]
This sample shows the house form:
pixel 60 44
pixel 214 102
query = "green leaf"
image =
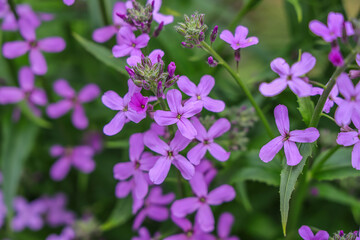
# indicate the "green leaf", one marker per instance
pixel 103 54
pixel 306 109
pixel 333 194
pixel 297 8
pixel 243 196
pixel 120 214
pixel 265 175
pixel 289 176
pixel 17 142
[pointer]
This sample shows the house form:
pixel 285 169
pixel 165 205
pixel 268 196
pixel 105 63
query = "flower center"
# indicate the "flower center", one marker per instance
pixel 289 77
pixel 133 45
pixel 178 116
pixel 189 233
pixel 202 200
pixel 125 109
pixel 287 136
pixel 137 165
pixel 353 98
pixel 198 97
pixel 206 142
pixel 33 44
pixel 170 154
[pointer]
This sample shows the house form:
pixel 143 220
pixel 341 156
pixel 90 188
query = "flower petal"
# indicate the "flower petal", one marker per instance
pixel 220 127
pixel 226 220
pixel 88 93
pixel 320 29
pixel 62 88
pixel 273 88
pixel 227 36
pixel 224 193
pixel 142 40
pixel 207 83
pixel 15 49
pixel 121 50
pixel 52 44
pixel 344 112
pixel 79 118
pixel 345 86
pixel 141 185
pixel 186 128
pixel 174 98
pixel 205 218
pixel 60 169
pixel 160 170
pixel 56 110
pixel 306 233
pixel 213 105
pixel 218 152
pixel 269 150
pixel 292 153
pixel 112 100
pixel 280 66
pixel 157 145
pixel 347 138
pixel 123 170
pixel 123 189
pixel 187 86
pixel 115 125
pixel 198 185
pixel 300 87
pixel 306 63
pixel 37 62
pixel 186 169
pixel 181 208
pixel 104 34
pixel 10 95
pixel 136 146
pixel 355 156
pixel 197 153
pixel 158 213
pixel 165 118
pixel 282 119
pixel 308 135
pixel 26 79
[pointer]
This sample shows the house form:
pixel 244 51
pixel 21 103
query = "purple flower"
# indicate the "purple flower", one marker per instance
pixel 113 101
pixel 348 108
pixel 333 30
pixel 333 97
pixel 139 103
pixel 200 93
pixel 335 57
pixel 169 155
pixel 72 101
pixel 202 202
pixel 306 234
pixel 56 214
pixel 154 207
pixel 287 139
pixel 67 234
pixel 28 214
pixel 226 220
pixel 129 44
pixel 206 139
pixel 94 139
pixel 207 170
pixel 190 232
pixel 105 33
pixel 34 47
pixel 239 40
pixel 179 114
pixel 139 161
pixel 3 209
pixel 144 234
pixel 154 57
pixel 355 73
pixel 69 2
pixel 28 91
pixel 349 138
pixel 289 77
pixel 81 157
pixel 158 17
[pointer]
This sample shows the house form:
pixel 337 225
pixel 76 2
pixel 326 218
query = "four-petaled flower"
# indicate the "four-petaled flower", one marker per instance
pixel 158 17
pixel 200 93
pixel 287 139
pixel 333 30
pixel 306 234
pixel 129 44
pixel 289 77
pixel 72 101
pixel 67 234
pixel 202 201
pixel 56 214
pixel 28 214
pixel 238 40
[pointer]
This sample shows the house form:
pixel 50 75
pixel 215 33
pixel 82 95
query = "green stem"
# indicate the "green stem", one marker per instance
pixel 329 117
pixel 103 12
pixel 13 9
pixel 237 78
pixel 317 166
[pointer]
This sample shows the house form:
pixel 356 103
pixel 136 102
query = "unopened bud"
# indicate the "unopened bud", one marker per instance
pixel 171 81
pixel 214 34
pixel 159 90
pixel 212 62
pixel 158 29
pixel 237 55
pixel 130 71
pixel 201 37
pixel 171 69
pixel 187 45
pixel 354 74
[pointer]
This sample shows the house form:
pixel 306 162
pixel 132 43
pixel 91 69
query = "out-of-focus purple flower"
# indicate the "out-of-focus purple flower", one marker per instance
pixel 154 207
pixel 67 234
pixel 332 31
pixel 157 130
pixel 225 223
pixel 333 96
pixel 80 157
pixel 349 138
pixel 3 209
pixel 190 232
pixel 289 77
pixel 238 40
pixel 28 91
pixel 94 139
pixel 154 57
pixel 178 113
pixel 306 234
pixel 72 101
pixel 140 161
pixel 69 2
pixel 335 57
pixel 144 234
pixel 34 47
pixel 207 170
pixel 56 214
pixel 158 17
pixel 139 103
pixel 169 155
pixel 355 73
pixel 28 214
pixel 206 141
pixel 113 101
pixel 202 202
pixel 129 44
pixel 103 34
pixel 348 108
pixel 287 139
pixel 200 93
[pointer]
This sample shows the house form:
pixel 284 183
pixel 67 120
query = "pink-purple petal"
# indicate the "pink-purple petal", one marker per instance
pixel 88 93
pixel 104 34
pixel 269 150
pixel 207 83
pixel 306 233
pixel 220 127
pixel 79 118
pixel 115 125
pixel 123 189
pixel 205 218
pixel 304 136
pixel 187 86
pixel 273 88
pixel 165 118
pixel 63 89
pixel 224 193
pixel 197 153
pixel 52 44
pixel 280 66
pixel 218 152
pixel 186 128
pixel 15 49
pixel 355 156
pixel 157 145
pixel 226 220
pixel 56 110
pixel 213 105
pixel 60 169
pixel 304 66
pixel 181 208
pixel 160 170
pixel 26 79
pixel 10 95
pixel 123 170
pixel 282 119
pixel 186 169
pixel 292 153
pixel 198 185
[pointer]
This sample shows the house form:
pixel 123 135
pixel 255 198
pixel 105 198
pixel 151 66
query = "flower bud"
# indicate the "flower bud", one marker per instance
pixel 171 69
pixel 237 55
pixel 158 29
pixel 212 62
pixel 159 91
pixel 130 71
pixel 335 57
pixel 214 34
pixel 354 74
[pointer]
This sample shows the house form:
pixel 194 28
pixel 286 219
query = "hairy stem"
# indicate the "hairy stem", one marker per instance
pixel 243 86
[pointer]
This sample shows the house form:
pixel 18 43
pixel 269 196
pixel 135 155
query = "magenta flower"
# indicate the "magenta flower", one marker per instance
pixel 69 2
pixel 67 234
pixel 206 139
pixel 202 202
pixel 28 91
pixel 306 234
pixel 129 44
pixel 154 207
pixel 200 93
pixel 287 139
pixel 335 57
pixel 238 40
pixel 226 220
pixel 207 170
pixel 103 34
pixel 350 138
pixel 289 77
pixel 34 47
pixel 190 232
pixel 355 73
pixel 348 108
pixel 158 17
pixel 72 101
pixel 139 103
pixel 56 214
pixel 80 157
pixel 113 101
pixel 154 57
pixel 178 114
pixel 333 30
pixel 169 155
pixel 28 214
pixel 144 234
pixel 140 161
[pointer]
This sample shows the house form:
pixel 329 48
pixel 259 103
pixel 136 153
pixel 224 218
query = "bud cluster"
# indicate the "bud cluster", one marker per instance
pixel 139 16
pixel 193 29
pixel 340 235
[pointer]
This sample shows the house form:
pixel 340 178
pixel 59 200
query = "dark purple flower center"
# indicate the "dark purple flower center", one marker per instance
pixel 170 154
pixel 133 45
pixel 125 109
pixel 137 165
pixel 142 106
pixel 178 116
pixel 286 137
pixel 33 44
pixel 202 199
pixel 289 77
pixel 189 233
pixel 206 141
